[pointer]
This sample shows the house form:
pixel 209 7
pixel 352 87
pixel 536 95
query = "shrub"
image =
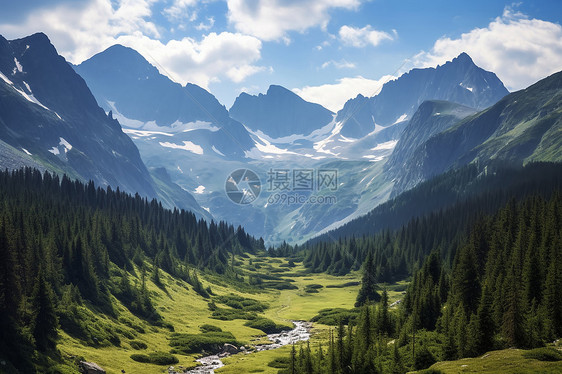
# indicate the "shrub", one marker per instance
pixel 224 314
pixel 140 358
pixel 333 316
pixel 196 343
pixel 312 288
pixel 280 285
pixel 157 358
pixel 210 328
pixel 424 359
pixel 347 284
pixel 162 358
pixel 543 354
pixel 266 325
pixel 243 303
pixel 280 363
pixel 135 344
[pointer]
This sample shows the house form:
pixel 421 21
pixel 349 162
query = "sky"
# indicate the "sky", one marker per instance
pixel 327 51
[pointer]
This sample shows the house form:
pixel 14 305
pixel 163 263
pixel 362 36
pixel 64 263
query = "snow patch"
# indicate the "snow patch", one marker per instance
pixel 466 87
pixel 217 151
pixel 5 79
pixel 143 133
pixel 385 146
pixel 18 66
pixel 374 158
pixel 26 151
pixel 199 190
pixel 187 146
pixel 27 86
pixel 401 118
pixel 63 146
pixel 66 144
pixel 29 97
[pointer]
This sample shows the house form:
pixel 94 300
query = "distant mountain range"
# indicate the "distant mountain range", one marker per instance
pixel 49 119
pixel 279 113
pixel 424 123
pixel 523 127
pixel 186 133
pixel 459 81
pixel 48 113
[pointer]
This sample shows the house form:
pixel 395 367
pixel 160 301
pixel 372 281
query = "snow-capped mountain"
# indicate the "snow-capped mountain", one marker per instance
pixel 50 118
pixel 459 81
pixel 279 113
pixel 185 134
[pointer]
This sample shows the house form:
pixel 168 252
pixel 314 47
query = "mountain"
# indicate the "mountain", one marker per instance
pixel 48 116
pixel 470 190
pixel 524 126
pixel 432 117
pixel 459 81
pixel 123 81
pixel 279 113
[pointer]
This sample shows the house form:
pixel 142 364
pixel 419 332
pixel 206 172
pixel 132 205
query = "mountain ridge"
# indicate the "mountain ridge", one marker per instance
pixel 459 80
pixel 279 112
pixel 75 135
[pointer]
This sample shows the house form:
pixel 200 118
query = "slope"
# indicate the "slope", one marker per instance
pixel 48 113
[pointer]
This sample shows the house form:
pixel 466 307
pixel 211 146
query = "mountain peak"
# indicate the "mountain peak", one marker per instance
pixel 280 112
pixel 463 58
pixel 38 37
pixel 279 90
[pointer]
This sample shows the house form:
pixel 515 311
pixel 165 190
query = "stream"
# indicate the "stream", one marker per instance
pixel 301 332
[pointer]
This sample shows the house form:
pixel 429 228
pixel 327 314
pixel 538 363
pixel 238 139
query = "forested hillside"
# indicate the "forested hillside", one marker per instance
pixel 504 290
pixel 64 243
pixel 433 216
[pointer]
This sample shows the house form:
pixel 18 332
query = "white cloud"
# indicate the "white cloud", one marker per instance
pixel 334 96
pixel 272 19
pixel 206 26
pixel 518 49
pixel 343 64
pixel 180 10
pixel 216 56
pixel 361 37
pixel 79 31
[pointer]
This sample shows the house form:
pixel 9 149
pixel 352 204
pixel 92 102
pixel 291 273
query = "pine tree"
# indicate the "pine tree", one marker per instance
pixel 368 291
pixel 45 322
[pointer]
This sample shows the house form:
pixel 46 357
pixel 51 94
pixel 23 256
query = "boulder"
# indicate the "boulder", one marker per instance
pixel 90 368
pixel 229 348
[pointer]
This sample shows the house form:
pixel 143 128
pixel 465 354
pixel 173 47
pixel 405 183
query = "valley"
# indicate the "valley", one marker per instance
pixel 187 312
pixel 411 223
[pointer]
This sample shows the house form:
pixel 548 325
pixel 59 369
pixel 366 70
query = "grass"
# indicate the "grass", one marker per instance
pixel 504 361
pixel 189 313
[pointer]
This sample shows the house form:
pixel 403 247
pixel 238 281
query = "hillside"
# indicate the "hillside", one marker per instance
pixel 521 128
pixel 50 118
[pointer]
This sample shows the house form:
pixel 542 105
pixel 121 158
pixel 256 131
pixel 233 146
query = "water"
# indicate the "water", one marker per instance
pixel 301 332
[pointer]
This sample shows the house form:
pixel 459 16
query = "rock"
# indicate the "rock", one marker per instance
pixel 90 368
pixel 229 348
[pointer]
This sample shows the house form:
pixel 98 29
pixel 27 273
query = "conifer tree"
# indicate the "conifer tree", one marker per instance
pixel 368 291
pixel 45 322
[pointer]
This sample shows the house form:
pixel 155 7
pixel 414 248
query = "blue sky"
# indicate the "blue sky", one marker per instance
pixel 325 50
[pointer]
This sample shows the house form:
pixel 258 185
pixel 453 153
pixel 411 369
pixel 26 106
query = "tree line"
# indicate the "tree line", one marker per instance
pixel 504 289
pixel 398 252
pixel 64 242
